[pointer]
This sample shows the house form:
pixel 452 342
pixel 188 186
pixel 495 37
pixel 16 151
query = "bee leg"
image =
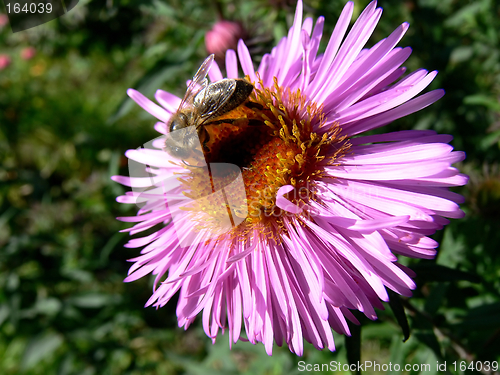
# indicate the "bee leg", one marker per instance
pixel 237 122
pixel 253 122
pixel 203 135
pixel 225 121
pixel 253 105
pixel 204 138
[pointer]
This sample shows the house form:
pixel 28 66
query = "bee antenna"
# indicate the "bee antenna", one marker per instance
pixel 192 166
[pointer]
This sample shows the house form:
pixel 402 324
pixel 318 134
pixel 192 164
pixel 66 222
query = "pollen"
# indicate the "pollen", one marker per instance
pixel 276 138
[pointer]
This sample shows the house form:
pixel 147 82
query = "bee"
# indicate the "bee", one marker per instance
pixel 201 106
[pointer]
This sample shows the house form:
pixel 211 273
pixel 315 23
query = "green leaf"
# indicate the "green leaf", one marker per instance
pixel 4 313
pixel 145 86
pixel 399 351
pixel 93 300
pixel 465 17
pixel 399 312
pixel 353 346
pixel 40 347
pixel 483 317
pixel 461 54
pixel 490 102
pixel 435 299
pixel 49 306
pixel 429 338
pixel 170 66
pixel 110 245
pixel 489 140
pixel 436 272
pixel 163 9
pixel 7 215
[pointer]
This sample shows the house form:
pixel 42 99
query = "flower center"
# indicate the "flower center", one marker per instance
pixel 270 139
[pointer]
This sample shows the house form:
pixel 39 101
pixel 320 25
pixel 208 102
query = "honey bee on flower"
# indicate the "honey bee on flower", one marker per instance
pixel 204 105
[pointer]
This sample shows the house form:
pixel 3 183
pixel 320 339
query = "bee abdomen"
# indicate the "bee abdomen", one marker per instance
pixel 223 96
pixel 241 93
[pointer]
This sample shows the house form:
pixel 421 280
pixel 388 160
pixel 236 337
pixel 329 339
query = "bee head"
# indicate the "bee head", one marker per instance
pixel 179 121
pixel 183 143
pixel 175 149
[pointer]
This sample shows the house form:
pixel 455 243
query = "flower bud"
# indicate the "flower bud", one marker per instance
pixel 224 35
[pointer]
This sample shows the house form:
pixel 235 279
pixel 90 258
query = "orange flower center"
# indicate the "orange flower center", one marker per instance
pixel 270 139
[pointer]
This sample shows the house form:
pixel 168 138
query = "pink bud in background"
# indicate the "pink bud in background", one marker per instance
pixel 4 61
pixel 28 53
pixel 224 35
pixel 4 20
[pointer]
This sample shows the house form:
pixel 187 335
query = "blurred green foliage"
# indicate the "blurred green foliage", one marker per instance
pixel 65 124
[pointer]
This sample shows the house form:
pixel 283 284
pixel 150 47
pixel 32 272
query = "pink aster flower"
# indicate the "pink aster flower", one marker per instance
pixel 327 210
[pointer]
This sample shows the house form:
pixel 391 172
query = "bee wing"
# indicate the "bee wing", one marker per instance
pixel 214 97
pixel 198 83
